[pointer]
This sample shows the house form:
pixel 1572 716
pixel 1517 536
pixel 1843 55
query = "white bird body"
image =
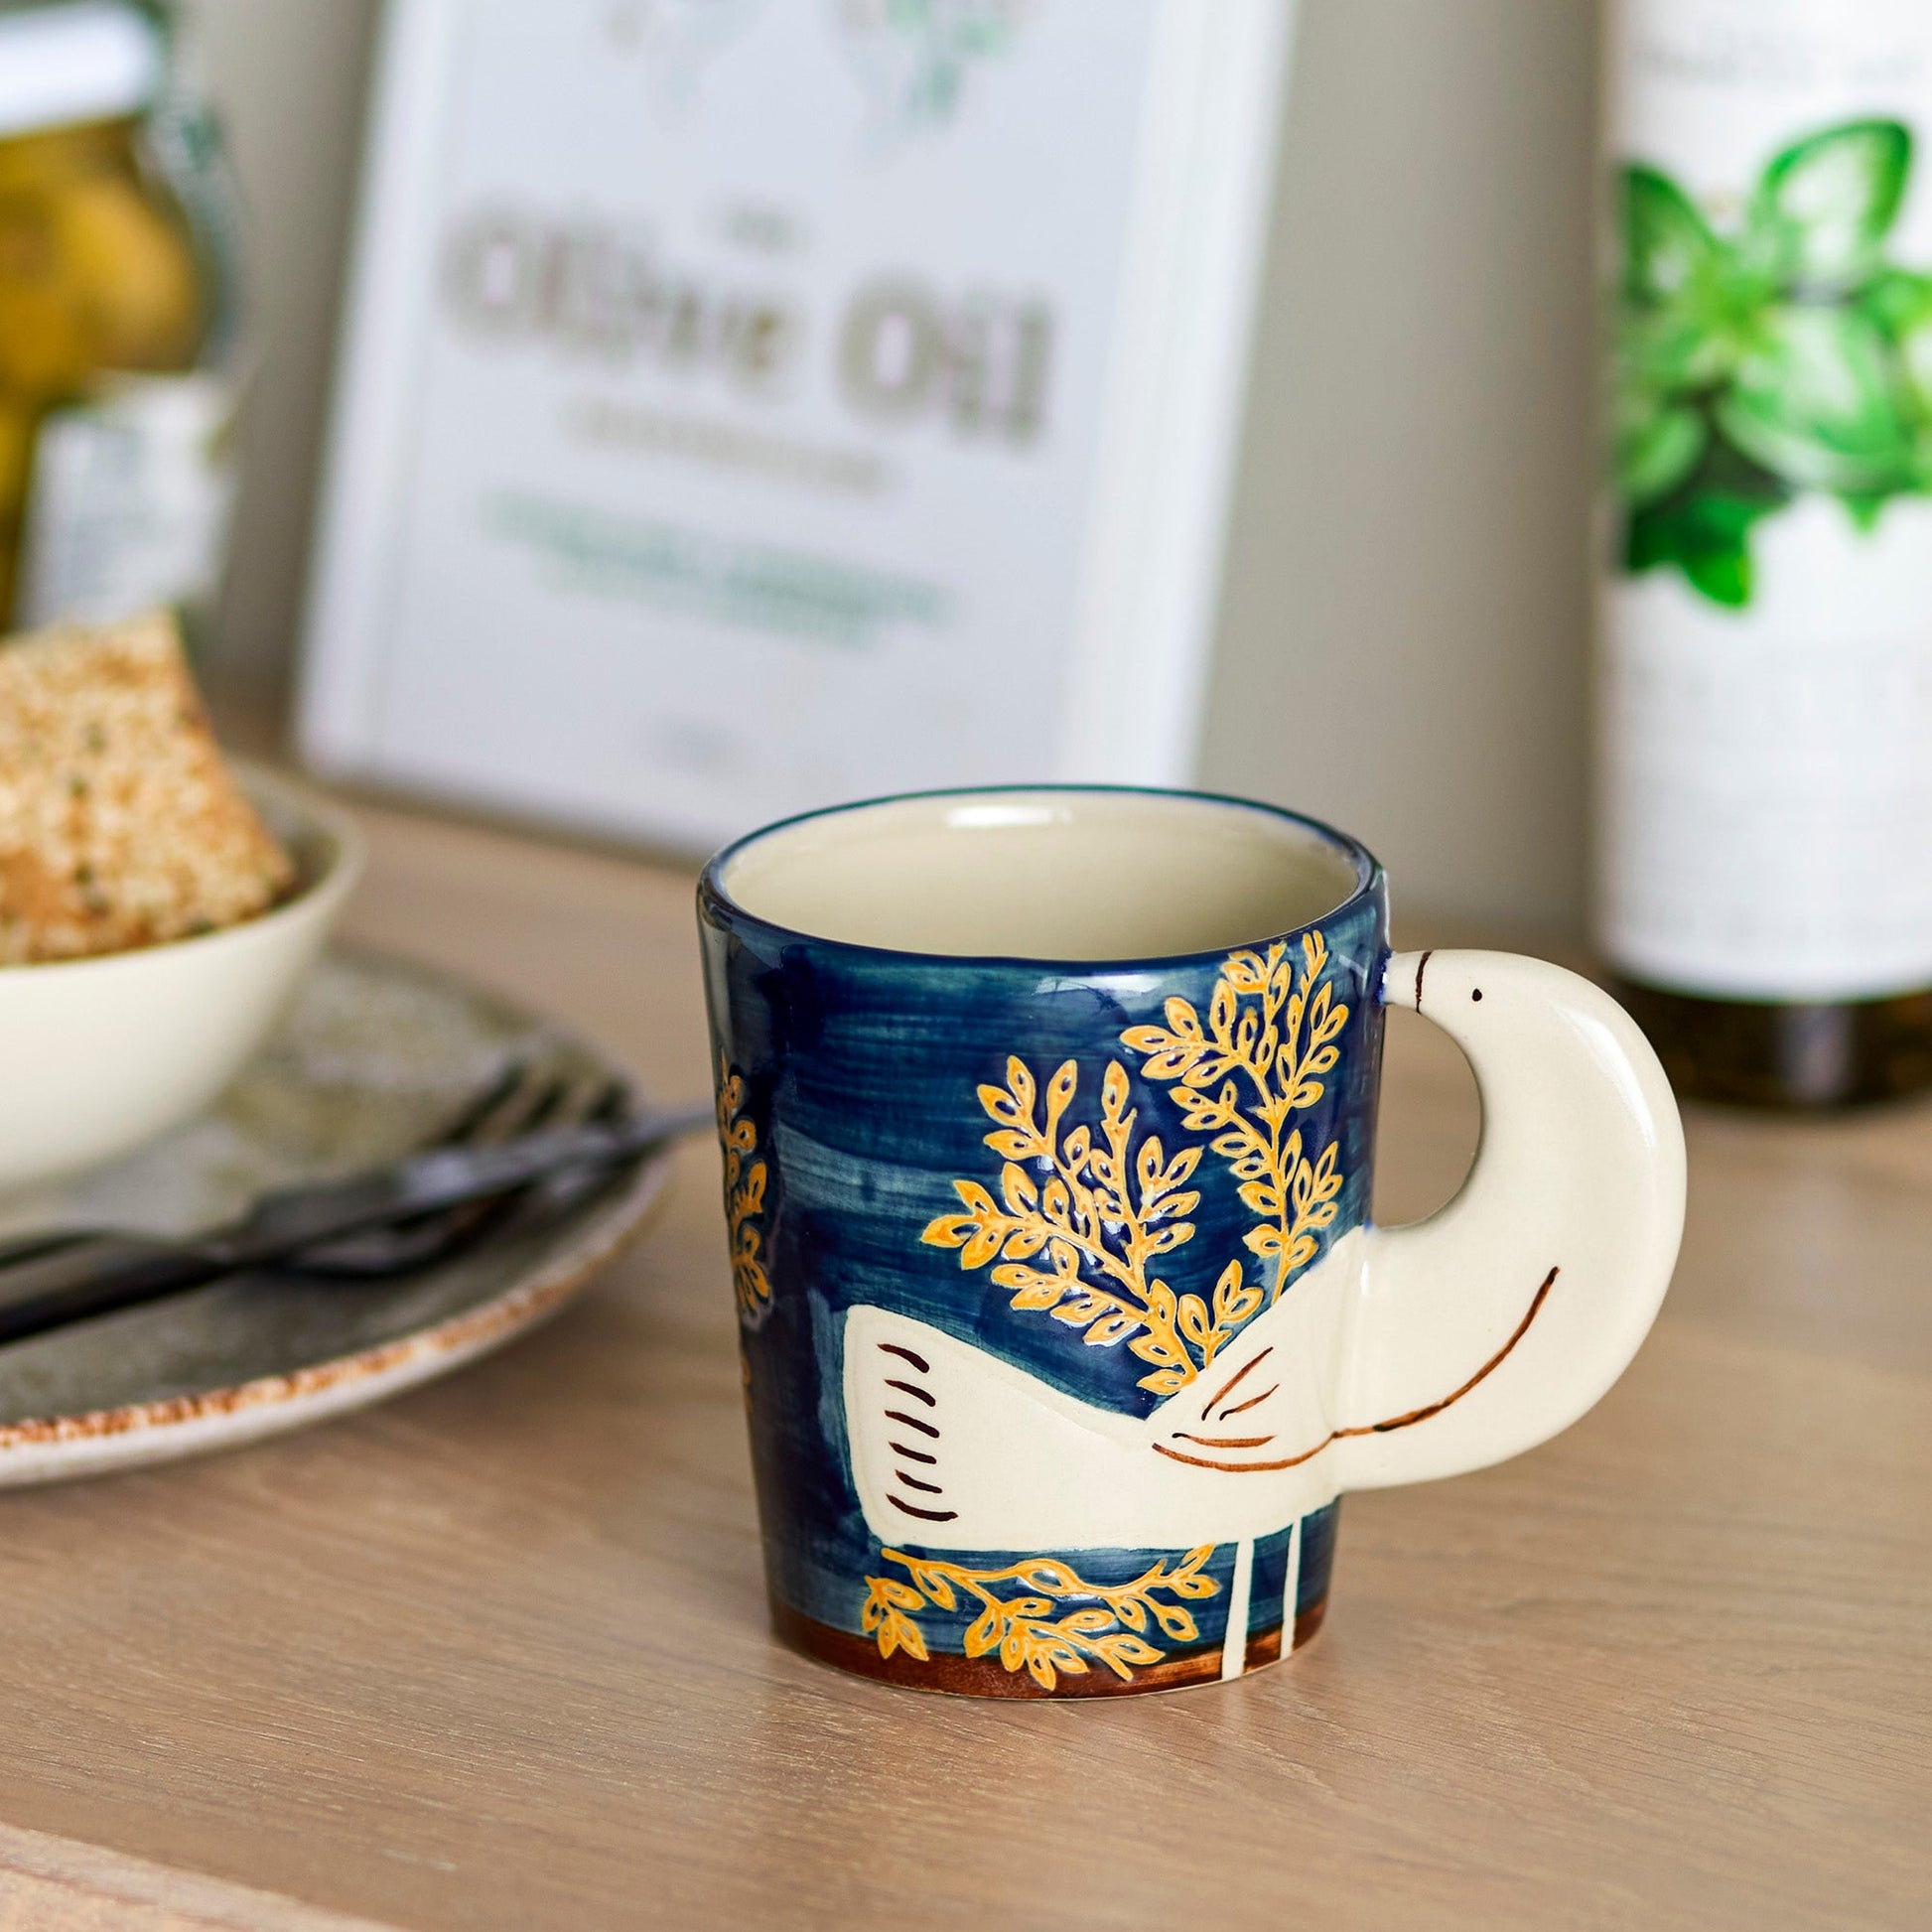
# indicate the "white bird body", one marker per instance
pixel 1580 1161
pixel 955 1449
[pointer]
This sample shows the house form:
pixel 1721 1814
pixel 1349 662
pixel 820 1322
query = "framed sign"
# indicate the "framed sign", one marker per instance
pixel 750 404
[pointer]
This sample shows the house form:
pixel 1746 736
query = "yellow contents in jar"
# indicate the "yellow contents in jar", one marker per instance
pixel 97 274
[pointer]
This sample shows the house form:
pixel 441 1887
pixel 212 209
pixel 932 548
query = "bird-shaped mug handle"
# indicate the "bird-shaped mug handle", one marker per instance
pixel 1559 1245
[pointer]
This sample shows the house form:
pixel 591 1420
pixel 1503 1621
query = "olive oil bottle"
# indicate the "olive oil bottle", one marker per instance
pixel 1764 649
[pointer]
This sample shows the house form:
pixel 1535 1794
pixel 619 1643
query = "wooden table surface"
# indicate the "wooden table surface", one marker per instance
pixel 495 1655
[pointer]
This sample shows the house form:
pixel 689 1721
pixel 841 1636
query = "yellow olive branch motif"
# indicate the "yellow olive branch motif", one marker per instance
pixel 1024 1630
pixel 1280 1051
pixel 743 1198
pixel 1096 1210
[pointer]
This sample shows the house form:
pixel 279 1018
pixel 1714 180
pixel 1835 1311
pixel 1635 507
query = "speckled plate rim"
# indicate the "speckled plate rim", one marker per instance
pixel 135 1434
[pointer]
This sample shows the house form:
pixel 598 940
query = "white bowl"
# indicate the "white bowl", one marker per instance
pixel 98 1055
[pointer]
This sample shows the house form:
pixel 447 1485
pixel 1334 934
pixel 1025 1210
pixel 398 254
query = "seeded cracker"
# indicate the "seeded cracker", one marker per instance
pixel 120 824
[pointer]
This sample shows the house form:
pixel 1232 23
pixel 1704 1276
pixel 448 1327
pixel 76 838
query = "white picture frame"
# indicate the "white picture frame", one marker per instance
pixel 1069 598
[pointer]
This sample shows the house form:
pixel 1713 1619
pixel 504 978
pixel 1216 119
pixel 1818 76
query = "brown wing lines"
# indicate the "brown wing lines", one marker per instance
pixel 903 1450
pixel 1253 1402
pixel 1407 1421
pixel 1234 1381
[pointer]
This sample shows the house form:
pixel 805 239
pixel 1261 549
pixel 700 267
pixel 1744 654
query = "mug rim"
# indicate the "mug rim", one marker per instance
pixel 1370 876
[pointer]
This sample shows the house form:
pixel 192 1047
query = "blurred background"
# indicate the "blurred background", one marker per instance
pixel 1414 485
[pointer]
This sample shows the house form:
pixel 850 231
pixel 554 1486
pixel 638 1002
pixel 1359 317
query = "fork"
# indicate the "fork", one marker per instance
pixel 513 1105
pixel 99 1273
pixel 513 1102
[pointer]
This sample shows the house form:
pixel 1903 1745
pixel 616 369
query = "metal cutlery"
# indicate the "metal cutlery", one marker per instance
pixel 504 1154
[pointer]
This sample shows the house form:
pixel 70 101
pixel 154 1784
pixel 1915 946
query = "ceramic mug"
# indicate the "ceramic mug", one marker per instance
pixel 1049 1120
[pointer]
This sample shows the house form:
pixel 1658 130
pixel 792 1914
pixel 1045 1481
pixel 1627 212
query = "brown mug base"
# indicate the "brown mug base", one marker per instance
pixel 950 1674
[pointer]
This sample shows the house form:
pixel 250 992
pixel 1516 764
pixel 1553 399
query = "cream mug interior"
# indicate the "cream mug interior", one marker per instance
pixel 1045 874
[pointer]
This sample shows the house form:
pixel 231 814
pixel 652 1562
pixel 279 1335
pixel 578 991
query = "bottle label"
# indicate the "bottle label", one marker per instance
pixel 1765 662
pixel 128 501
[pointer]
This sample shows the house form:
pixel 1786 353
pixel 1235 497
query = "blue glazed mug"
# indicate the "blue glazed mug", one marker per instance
pixel 1049 1120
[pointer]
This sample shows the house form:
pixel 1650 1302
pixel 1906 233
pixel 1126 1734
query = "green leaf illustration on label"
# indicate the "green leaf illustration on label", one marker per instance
pixel 1814 400
pixel 1786 355
pixel 1820 215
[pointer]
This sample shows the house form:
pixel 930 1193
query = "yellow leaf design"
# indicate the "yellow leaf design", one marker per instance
pixel 1031 1290
pixel 1181 1167
pixel 1079 1310
pixel 978 1201
pixel 981 1248
pixel 905 1633
pixel 1150 1164
pixel 1234 1300
pixel 1220 1015
pixel 1059 1092
pixel 1245 972
pixel 884 1617
pixel 1195 1324
pixel 1120 1653
pixel 1104 1206
pixel 1104 1623
pixel 744 1199
pixel 1175 1622
pixel 1087 1622
pixel 985 1633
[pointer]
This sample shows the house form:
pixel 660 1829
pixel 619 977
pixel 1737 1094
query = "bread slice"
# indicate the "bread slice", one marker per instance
pixel 120 824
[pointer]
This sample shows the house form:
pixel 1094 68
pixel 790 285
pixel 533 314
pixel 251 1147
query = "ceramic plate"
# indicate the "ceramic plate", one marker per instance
pixel 372 1060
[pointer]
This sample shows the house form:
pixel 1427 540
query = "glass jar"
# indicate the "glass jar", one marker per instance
pixel 114 406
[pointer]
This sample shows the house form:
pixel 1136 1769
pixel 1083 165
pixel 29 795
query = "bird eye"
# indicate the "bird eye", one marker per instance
pixel 1476 993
